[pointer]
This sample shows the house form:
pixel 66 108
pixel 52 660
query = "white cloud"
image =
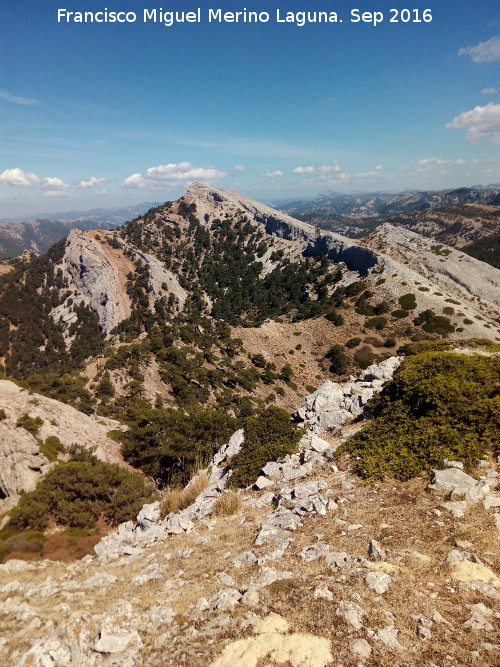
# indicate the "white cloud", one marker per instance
pixel 157 178
pixel 54 182
pixel 56 193
pixel 91 182
pixel 379 167
pixel 272 172
pixel 484 52
pixel 304 170
pixel 239 167
pixel 437 161
pixel 480 121
pixel 323 169
pixel 18 177
pixel 4 95
pixel 368 174
pixel 489 91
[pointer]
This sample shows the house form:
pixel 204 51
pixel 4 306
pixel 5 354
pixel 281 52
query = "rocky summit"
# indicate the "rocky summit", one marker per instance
pixel 229 438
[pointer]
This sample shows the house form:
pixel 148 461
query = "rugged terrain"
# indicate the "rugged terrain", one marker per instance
pixel 466 219
pixel 310 568
pixel 203 318
pixel 22 458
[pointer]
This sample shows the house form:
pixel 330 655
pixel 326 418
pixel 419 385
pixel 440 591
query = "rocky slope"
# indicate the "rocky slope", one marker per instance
pixel 21 462
pixel 312 569
pixel 445 268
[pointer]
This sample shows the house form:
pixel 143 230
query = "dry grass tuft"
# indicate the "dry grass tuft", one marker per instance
pixel 226 504
pixel 176 499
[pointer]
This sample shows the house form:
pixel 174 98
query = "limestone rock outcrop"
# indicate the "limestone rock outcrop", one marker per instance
pixel 334 403
pixel 21 463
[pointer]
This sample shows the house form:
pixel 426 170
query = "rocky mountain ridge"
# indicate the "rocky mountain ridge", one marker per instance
pixel 214 260
pixel 95 273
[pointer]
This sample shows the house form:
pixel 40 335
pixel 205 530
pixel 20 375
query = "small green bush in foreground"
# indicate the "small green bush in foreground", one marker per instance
pixel 438 405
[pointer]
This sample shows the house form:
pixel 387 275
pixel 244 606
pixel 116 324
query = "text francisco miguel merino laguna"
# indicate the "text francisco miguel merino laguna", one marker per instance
pixel 197 15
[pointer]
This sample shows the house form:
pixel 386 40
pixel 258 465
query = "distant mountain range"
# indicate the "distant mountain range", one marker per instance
pixel 17 236
pixel 374 204
pixel 465 218
pixel 352 215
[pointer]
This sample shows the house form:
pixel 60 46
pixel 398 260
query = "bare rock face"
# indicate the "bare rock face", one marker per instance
pixel 99 274
pixel 21 463
pixel 99 281
pixel 332 404
pixel 449 268
pixel 163 282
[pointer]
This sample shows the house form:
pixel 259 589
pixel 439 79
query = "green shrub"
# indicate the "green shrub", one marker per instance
pixel 30 424
pixel 338 358
pixel 169 445
pixel 52 447
pixel 335 317
pixel 438 405
pixel 400 314
pixel 365 309
pixel 407 302
pixel 28 542
pixel 268 436
pixel 3 414
pixel 376 323
pixel 4 551
pixel 432 323
pixel 353 342
pixel 78 493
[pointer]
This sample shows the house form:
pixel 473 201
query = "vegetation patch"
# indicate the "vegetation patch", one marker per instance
pixel 432 323
pixel 376 323
pixel 365 356
pixel 407 302
pixel 400 314
pixel 52 447
pixel 227 503
pixel 176 499
pixel 339 361
pixel 268 437
pixel 79 493
pixel 169 445
pixel 438 405
pixel 30 424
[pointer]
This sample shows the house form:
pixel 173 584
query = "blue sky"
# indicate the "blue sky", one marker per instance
pixel 109 114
